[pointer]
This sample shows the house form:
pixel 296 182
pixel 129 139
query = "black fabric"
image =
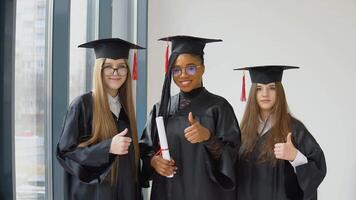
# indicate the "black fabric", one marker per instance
pixel 188 44
pixel 262 181
pixel 267 74
pixel 199 176
pixel 113 48
pixel 86 168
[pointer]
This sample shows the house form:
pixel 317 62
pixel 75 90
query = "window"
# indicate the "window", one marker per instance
pixel 30 99
pixel 82 29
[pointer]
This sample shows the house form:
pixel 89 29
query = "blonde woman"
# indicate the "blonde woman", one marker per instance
pixel 98 148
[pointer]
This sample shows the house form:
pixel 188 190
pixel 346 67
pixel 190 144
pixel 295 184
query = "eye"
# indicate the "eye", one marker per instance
pixel 122 66
pixel 176 71
pixel 191 69
pixel 273 87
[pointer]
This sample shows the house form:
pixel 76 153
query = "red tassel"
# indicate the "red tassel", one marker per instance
pixel 243 90
pixel 134 67
pixel 166 59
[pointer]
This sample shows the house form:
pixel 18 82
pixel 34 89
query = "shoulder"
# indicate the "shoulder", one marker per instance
pixel 296 124
pixel 82 100
pixel 300 132
pixel 216 99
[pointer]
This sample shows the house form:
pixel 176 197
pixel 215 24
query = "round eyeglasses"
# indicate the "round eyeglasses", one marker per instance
pixel 120 71
pixel 189 70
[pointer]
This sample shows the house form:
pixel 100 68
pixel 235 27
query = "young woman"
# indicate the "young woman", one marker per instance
pixel 280 159
pixel 98 148
pixel 202 132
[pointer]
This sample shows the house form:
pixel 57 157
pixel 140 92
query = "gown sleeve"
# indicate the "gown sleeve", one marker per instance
pixel 90 164
pixel 222 170
pixel 147 147
pixel 310 174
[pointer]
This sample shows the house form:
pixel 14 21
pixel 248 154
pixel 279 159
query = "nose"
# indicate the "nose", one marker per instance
pixel 264 92
pixel 115 70
pixel 184 73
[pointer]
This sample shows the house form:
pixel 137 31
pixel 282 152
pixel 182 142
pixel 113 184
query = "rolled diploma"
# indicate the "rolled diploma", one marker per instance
pixel 163 140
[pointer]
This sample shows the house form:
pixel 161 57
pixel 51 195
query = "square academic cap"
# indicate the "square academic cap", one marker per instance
pixel 263 74
pixel 114 48
pixel 188 44
pixel 267 73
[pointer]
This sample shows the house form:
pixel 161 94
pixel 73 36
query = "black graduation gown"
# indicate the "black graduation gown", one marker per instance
pixel 199 176
pixel 86 168
pixel 262 181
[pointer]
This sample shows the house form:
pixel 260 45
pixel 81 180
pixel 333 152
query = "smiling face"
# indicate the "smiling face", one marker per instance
pixel 187 72
pixel 114 74
pixel 266 96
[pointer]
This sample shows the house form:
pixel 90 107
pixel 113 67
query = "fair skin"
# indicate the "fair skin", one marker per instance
pixel 113 81
pixel 266 98
pixel 195 133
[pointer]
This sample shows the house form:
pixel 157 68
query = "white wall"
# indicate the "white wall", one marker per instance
pixel 317 35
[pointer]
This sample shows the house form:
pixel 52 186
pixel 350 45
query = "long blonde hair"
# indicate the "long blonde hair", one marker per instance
pixel 103 124
pixel 249 126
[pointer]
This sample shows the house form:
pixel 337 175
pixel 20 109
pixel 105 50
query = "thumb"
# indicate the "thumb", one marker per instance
pixel 191 118
pixel 289 138
pixel 123 133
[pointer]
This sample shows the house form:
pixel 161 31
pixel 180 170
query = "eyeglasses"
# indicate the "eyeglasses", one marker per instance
pixel 189 70
pixel 109 70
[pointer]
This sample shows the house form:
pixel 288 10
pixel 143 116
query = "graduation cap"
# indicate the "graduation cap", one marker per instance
pixel 188 44
pixel 264 74
pixel 114 48
pixel 181 44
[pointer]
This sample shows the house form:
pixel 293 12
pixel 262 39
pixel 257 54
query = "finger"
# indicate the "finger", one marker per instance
pixel 278 145
pixel 289 138
pixel 191 118
pixel 126 139
pixel 194 138
pixel 164 162
pixel 189 128
pixel 124 132
pixel 189 134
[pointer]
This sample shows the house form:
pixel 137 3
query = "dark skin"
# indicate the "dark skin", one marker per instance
pixel 195 133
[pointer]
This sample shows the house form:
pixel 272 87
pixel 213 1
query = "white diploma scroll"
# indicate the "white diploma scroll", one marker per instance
pixel 163 140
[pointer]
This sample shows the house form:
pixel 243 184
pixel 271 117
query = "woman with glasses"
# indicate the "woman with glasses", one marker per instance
pixel 98 148
pixel 279 158
pixel 202 132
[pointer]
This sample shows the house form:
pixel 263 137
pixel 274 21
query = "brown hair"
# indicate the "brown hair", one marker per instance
pixel 104 125
pixel 249 126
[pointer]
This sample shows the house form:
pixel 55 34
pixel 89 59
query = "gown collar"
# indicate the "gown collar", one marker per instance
pixel 192 94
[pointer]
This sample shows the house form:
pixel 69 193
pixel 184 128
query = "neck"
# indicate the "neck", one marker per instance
pixel 193 93
pixel 265 114
pixel 113 92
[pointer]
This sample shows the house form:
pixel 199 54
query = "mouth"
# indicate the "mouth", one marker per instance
pixel 114 78
pixel 265 101
pixel 185 83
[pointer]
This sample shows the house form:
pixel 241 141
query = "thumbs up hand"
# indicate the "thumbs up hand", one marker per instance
pixel 196 133
pixel 120 143
pixel 285 151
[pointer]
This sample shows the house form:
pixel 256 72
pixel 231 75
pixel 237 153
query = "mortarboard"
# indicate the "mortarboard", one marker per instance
pixel 114 48
pixel 264 74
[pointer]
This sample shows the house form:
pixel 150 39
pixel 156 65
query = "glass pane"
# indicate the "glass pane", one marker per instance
pixel 30 99
pixel 82 29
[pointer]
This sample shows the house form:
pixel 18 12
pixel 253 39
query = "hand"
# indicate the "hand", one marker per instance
pixel 285 151
pixel 120 144
pixel 196 132
pixel 162 166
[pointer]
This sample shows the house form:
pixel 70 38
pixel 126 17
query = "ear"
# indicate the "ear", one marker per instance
pixel 203 68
